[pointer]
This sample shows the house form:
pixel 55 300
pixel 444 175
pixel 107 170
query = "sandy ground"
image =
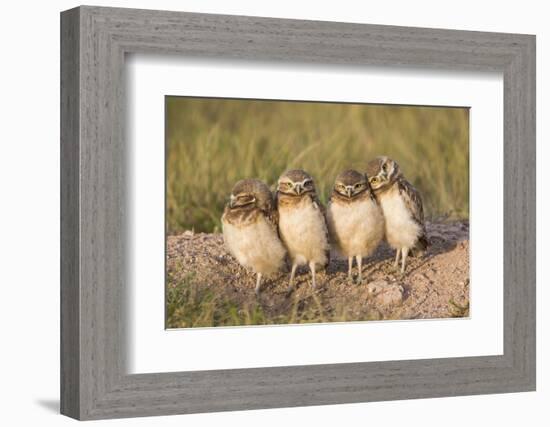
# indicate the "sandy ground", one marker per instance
pixel 435 285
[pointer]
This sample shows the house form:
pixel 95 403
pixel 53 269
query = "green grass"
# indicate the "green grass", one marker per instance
pixel 457 310
pixel 190 304
pixel 212 143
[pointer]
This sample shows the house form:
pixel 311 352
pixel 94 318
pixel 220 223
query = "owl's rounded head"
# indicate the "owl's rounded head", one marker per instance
pixel 295 182
pixel 250 193
pixel 382 172
pixel 351 183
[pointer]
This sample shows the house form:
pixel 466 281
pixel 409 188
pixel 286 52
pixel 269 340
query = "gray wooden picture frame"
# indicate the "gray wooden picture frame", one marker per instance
pixel 94 381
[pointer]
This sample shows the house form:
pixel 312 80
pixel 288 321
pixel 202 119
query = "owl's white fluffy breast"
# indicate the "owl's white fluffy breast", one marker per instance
pixel 303 230
pixel 401 229
pixel 356 228
pixel 255 245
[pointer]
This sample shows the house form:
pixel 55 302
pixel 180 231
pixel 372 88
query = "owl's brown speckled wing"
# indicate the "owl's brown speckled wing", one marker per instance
pixel 317 203
pixel 413 202
pixel 272 217
pixel 269 211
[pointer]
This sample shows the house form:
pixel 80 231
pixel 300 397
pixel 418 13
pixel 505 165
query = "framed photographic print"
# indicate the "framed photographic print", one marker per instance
pixel 261 213
pixel 207 280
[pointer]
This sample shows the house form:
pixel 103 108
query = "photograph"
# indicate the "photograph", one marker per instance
pixel 292 212
pixel 284 212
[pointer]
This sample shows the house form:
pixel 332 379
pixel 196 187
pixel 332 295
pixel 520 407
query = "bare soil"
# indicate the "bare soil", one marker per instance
pixel 435 285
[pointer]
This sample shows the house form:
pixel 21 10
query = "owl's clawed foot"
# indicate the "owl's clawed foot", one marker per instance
pixel 398 272
pixel 356 280
pixel 396 267
pixel 404 253
pixel 313 278
pixel 359 280
pixel 359 260
pixel 290 288
pixel 351 277
pixel 395 264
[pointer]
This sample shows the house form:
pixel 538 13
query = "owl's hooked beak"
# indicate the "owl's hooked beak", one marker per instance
pixel 349 191
pixel 298 188
pixel 232 201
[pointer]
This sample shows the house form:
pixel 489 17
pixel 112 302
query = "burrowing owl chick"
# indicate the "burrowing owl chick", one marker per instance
pixel 302 223
pixel 355 219
pixel 250 229
pixel 402 207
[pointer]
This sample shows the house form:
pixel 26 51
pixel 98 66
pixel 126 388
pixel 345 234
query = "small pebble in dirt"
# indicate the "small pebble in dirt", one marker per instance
pixel 385 293
pixel 392 296
pixel 377 286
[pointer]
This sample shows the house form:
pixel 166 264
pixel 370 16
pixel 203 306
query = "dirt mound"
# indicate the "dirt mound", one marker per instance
pixel 207 287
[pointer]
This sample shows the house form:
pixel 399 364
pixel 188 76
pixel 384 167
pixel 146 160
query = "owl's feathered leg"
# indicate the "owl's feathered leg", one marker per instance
pixel 350 267
pixel 312 268
pixel 405 252
pixel 292 273
pixel 359 260
pixel 258 282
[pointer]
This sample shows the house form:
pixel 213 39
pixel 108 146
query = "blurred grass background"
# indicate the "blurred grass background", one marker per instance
pixel 212 143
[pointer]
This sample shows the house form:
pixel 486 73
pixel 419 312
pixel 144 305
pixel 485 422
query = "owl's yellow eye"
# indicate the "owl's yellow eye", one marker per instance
pixel 374 180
